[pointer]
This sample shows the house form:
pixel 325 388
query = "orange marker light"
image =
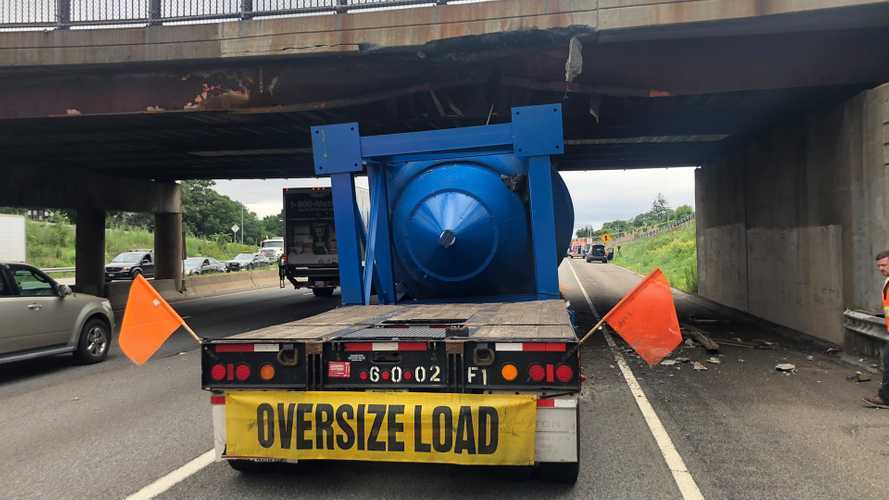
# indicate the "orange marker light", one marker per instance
pixel 509 372
pixel 267 372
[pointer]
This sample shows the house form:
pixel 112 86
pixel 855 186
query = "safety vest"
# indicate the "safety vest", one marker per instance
pixel 886 303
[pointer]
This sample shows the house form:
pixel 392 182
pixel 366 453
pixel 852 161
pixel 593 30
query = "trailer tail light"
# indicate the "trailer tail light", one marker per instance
pixel 564 373
pixel 242 372
pixel 217 373
pixel 217 399
pixel 509 372
pixel 536 372
pixel 267 372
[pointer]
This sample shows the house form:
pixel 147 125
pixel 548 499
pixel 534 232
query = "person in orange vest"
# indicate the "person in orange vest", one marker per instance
pixel 881 400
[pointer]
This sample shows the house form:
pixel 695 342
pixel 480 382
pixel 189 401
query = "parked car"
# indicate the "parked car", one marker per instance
pixel 262 260
pixel 597 254
pixel 128 264
pixel 41 317
pixel 242 261
pixel 202 265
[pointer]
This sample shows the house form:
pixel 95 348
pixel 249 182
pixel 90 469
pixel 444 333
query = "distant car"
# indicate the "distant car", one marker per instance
pixel 202 265
pixel 41 317
pixel 261 260
pixel 597 254
pixel 129 264
pixel 242 261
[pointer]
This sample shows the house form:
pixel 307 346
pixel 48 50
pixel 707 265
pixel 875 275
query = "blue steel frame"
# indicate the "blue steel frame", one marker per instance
pixel 535 134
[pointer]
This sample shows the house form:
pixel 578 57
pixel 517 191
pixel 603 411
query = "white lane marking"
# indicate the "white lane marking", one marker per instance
pixel 683 478
pixel 173 478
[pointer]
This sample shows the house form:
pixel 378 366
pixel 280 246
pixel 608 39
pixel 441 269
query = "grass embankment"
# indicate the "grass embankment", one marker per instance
pixel 52 245
pixel 674 251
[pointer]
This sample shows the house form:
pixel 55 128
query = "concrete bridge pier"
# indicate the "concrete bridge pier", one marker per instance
pixel 790 219
pixel 168 246
pixel 89 248
pixel 92 195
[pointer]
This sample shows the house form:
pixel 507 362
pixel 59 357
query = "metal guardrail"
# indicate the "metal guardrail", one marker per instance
pixel 63 14
pixel 56 270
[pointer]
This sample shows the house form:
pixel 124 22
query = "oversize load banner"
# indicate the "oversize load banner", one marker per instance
pixel 382 426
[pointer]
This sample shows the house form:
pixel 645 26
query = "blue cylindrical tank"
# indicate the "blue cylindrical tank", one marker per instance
pixel 462 227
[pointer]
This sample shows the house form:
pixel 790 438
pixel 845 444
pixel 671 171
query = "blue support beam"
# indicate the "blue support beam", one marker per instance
pixel 346 224
pixel 543 227
pixel 383 242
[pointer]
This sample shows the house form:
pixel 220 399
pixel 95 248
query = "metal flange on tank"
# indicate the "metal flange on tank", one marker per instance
pixel 455 214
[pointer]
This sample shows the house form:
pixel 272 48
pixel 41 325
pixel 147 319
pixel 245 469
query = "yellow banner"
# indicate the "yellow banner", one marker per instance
pixel 477 429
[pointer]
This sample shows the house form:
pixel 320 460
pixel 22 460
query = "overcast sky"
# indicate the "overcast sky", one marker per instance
pixel 598 196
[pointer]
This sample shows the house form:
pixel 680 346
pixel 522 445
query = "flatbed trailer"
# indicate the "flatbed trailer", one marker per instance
pixel 412 352
pixel 453 345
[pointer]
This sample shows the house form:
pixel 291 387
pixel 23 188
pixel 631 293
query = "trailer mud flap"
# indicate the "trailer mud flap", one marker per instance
pixel 468 429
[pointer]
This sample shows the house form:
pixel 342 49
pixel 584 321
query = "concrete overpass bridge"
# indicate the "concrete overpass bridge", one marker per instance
pixel 780 102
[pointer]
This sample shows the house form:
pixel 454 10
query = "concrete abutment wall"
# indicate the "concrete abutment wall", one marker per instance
pixel 789 221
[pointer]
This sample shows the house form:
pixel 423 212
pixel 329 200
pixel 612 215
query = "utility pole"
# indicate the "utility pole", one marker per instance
pixel 242 224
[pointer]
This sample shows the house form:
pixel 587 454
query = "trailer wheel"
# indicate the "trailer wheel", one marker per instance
pixel 323 292
pixel 251 466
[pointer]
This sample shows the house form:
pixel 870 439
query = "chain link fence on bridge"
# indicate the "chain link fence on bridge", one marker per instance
pixel 63 14
pixel 651 230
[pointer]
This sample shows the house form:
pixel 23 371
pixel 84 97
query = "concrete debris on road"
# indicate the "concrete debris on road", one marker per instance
pixel 785 367
pixel 859 377
pixel 832 350
pixel 669 362
pixel 689 343
pixel 810 357
pixel 714 360
pixel 682 359
pixel 764 344
pixel 698 366
pixel 702 339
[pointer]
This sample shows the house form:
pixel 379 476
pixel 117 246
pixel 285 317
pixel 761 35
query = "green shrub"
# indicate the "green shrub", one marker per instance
pixel 51 244
pixel 674 252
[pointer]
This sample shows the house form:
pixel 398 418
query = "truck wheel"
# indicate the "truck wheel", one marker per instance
pixel 323 292
pixel 251 466
pixel 95 339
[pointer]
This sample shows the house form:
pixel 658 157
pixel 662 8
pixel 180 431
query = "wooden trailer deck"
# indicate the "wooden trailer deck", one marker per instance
pixel 529 320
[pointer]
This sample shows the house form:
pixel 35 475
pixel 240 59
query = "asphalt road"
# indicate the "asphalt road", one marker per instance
pixel 742 429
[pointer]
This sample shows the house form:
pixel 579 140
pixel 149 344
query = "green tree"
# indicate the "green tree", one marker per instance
pixel 684 211
pixel 207 213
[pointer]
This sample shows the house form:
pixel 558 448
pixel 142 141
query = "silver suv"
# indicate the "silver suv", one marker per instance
pixel 39 317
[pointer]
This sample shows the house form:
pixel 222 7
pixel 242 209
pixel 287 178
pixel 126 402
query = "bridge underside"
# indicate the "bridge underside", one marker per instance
pixel 633 104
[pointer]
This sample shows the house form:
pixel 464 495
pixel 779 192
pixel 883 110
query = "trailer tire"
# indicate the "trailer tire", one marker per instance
pixel 323 292
pixel 251 466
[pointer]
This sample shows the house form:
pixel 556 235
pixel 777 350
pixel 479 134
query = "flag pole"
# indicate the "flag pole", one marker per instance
pixel 190 331
pixel 593 330
pixel 583 339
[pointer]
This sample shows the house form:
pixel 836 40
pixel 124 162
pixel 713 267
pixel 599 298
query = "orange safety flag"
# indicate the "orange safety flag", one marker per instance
pixel 148 322
pixel 646 319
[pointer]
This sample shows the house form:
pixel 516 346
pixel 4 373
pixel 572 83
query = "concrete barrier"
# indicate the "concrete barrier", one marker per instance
pixel 197 286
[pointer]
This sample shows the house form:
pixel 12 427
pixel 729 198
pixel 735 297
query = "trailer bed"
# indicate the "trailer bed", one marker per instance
pixel 527 320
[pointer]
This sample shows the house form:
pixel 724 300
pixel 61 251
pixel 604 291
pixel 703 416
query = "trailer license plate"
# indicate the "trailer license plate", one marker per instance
pixel 470 429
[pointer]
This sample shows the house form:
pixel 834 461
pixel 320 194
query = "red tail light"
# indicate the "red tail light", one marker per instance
pixel 217 373
pixel 242 372
pixel 564 373
pixel 537 373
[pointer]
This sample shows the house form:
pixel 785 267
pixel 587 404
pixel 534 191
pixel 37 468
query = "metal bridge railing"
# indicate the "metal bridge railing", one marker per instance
pixel 63 14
